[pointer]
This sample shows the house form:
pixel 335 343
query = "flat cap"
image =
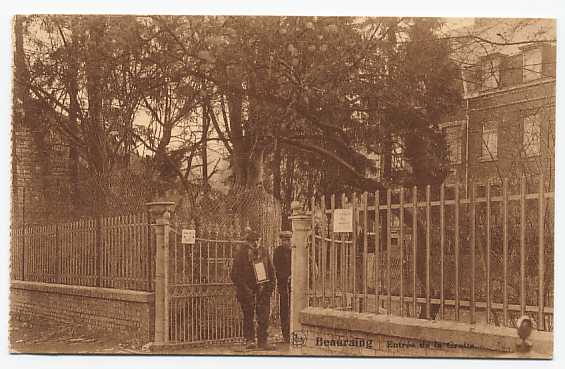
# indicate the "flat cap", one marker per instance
pixel 251 235
pixel 285 234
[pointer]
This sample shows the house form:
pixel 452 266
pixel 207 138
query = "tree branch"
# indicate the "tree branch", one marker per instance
pixel 325 152
pixel 214 120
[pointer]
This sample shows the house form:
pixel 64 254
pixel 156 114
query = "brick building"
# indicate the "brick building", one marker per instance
pixel 40 169
pixel 506 125
pixel 45 188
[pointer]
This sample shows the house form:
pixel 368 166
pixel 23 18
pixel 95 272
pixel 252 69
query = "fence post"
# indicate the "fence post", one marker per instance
pixel 301 224
pixel 98 253
pixel 24 256
pixel 161 212
pixel 57 255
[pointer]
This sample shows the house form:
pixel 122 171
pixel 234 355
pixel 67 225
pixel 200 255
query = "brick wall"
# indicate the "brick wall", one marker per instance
pixel 40 175
pixel 507 107
pixel 341 333
pixel 26 174
pixel 130 313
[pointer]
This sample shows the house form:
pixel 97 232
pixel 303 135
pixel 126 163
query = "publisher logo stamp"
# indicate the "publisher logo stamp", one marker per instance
pixel 298 338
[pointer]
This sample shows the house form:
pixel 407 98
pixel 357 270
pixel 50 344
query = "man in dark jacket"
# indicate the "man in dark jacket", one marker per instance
pixel 282 262
pixel 253 276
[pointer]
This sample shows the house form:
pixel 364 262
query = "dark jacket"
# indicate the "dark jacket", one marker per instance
pixel 242 273
pixel 282 262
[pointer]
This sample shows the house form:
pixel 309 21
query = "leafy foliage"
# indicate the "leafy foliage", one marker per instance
pixel 309 98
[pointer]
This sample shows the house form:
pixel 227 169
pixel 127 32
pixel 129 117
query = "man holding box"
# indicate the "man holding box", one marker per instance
pixel 253 276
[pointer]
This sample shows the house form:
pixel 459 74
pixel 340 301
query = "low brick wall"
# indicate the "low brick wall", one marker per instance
pixel 126 312
pixel 341 333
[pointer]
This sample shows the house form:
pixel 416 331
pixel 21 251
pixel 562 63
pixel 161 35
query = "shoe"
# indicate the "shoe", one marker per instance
pixel 250 345
pixel 266 347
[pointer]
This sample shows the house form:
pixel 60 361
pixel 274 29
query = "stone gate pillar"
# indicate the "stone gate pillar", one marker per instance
pixel 161 212
pixel 301 224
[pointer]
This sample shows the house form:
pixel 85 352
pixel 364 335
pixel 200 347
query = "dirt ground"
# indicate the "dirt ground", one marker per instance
pixel 48 337
pixel 42 336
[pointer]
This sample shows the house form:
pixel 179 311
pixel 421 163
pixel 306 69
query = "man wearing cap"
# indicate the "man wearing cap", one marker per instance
pixel 282 261
pixel 253 276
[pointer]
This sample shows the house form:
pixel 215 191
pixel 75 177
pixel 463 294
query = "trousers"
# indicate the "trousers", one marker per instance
pixel 255 305
pixel 284 308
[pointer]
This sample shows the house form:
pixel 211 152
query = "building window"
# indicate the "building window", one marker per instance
pixel 490 69
pixel 454 142
pixel 531 67
pixel 398 162
pixel 531 135
pixel 375 171
pixel 489 145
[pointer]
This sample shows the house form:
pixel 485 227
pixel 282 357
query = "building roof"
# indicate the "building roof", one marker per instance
pixel 472 44
pixel 499 35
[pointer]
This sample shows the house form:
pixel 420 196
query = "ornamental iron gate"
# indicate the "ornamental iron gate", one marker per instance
pixel 201 302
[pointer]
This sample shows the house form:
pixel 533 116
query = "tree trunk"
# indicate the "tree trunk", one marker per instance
pixel 19 109
pixel 288 190
pixel 387 157
pixel 235 105
pixel 21 73
pixel 276 168
pixel 74 108
pixel 95 132
pixel 204 147
pixel 253 204
pixel 254 168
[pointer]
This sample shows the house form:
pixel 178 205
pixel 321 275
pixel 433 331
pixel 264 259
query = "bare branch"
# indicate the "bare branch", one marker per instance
pixel 214 120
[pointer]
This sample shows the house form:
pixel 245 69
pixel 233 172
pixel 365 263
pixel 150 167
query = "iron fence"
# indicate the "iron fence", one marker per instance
pixel 484 258
pixel 112 252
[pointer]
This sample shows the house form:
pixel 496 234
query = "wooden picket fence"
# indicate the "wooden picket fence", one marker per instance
pixel 112 252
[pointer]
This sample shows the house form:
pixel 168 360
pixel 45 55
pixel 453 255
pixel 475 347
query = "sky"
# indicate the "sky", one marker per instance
pixel 455 23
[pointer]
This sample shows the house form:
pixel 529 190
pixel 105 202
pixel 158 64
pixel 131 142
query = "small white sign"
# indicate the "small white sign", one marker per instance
pixel 343 220
pixel 260 272
pixel 188 236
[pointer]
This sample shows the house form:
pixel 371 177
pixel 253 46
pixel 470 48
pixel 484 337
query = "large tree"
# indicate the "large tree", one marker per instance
pixel 81 72
pixel 315 88
pixel 307 83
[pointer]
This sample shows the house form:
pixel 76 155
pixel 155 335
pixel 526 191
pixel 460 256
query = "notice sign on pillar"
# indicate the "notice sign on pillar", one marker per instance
pixel 188 236
pixel 343 220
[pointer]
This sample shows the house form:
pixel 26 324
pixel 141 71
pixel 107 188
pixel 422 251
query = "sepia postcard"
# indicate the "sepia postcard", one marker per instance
pixel 282 186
